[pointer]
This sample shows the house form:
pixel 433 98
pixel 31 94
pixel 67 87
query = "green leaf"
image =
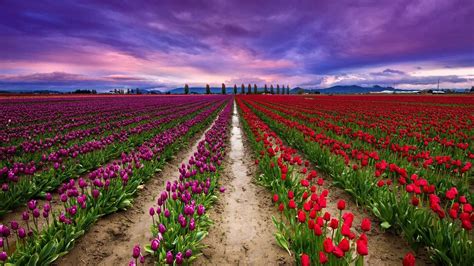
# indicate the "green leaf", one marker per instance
pixel 283 242
pixel 385 225
pixel 33 260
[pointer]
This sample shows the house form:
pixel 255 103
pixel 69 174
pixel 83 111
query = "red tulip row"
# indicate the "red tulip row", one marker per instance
pixel 305 226
pixel 388 147
pixel 398 190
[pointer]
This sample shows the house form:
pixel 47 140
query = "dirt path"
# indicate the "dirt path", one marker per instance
pixel 242 233
pixel 111 239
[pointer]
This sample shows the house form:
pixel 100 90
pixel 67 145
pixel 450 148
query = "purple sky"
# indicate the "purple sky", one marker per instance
pixel 163 44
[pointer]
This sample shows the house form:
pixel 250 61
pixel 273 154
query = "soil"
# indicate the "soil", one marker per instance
pixel 242 233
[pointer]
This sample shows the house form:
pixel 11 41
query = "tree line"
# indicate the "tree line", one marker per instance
pixel 255 90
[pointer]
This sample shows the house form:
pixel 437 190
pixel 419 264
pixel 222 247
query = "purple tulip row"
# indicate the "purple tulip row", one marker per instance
pixel 99 124
pixel 28 118
pixel 56 158
pixel 178 219
pixel 82 202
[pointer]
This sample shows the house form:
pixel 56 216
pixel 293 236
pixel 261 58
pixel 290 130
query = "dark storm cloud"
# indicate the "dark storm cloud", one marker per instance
pixel 234 39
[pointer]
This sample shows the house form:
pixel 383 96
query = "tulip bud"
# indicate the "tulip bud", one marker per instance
pixel 95 193
pixel 188 253
pixel 169 257
pixel 31 204
pixel 3 256
pixel 155 244
pixel 14 225
pixel 21 233
pixel 341 205
pixel 162 228
pixel 179 258
pixel 136 251
pixel 151 211
pixel 365 224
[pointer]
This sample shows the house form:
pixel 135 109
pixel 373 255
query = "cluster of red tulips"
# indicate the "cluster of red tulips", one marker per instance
pixel 305 226
pixel 359 141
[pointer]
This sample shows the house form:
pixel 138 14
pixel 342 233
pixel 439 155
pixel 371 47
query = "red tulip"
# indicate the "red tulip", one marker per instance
pixel 292 204
pixel 322 258
pixel 328 245
pixel 305 260
pixel 275 198
pixel 301 216
pixel 341 205
pixel 409 259
pixel 344 245
pixel 365 225
pixel 362 248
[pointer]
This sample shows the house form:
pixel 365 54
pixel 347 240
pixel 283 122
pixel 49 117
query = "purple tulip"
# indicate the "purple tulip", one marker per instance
pixel 49 197
pixel 14 225
pixel 63 197
pixel 192 224
pixel 95 193
pixel 222 189
pixel 188 253
pixel 201 210
pixel 161 228
pixel 36 213
pixel 142 259
pixel 179 258
pixel 151 211
pixel 46 207
pixel 25 216
pixel 155 244
pixel 5 187
pixel 132 263
pixel 3 256
pixel 21 233
pixel 32 204
pixel 136 251
pixel 169 257
pixel 5 231
pixel 167 213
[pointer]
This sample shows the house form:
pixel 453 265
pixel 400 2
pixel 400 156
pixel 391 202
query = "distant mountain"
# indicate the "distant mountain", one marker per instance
pixel 353 89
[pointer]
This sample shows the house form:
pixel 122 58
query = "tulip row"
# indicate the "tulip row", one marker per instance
pixel 91 126
pixel 179 220
pixel 398 203
pixel 37 118
pixel 16 190
pixel 305 226
pixel 23 164
pixel 430 163
pixel 49 231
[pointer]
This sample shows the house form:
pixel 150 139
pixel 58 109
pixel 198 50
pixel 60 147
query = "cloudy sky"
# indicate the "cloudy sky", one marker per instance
pixel 162 44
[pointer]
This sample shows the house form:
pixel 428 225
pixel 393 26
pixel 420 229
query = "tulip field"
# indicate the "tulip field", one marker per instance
pixel 343 174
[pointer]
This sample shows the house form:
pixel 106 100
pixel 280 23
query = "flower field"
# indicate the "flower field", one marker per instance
pixel 406 160
pixel 342 174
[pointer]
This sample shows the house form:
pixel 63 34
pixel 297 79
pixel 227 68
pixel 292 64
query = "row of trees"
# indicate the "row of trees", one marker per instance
pixel 266 90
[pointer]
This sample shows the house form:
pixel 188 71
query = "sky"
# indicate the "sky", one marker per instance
pixel 407 44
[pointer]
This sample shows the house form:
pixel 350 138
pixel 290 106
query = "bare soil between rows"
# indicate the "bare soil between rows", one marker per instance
pixel 242 233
